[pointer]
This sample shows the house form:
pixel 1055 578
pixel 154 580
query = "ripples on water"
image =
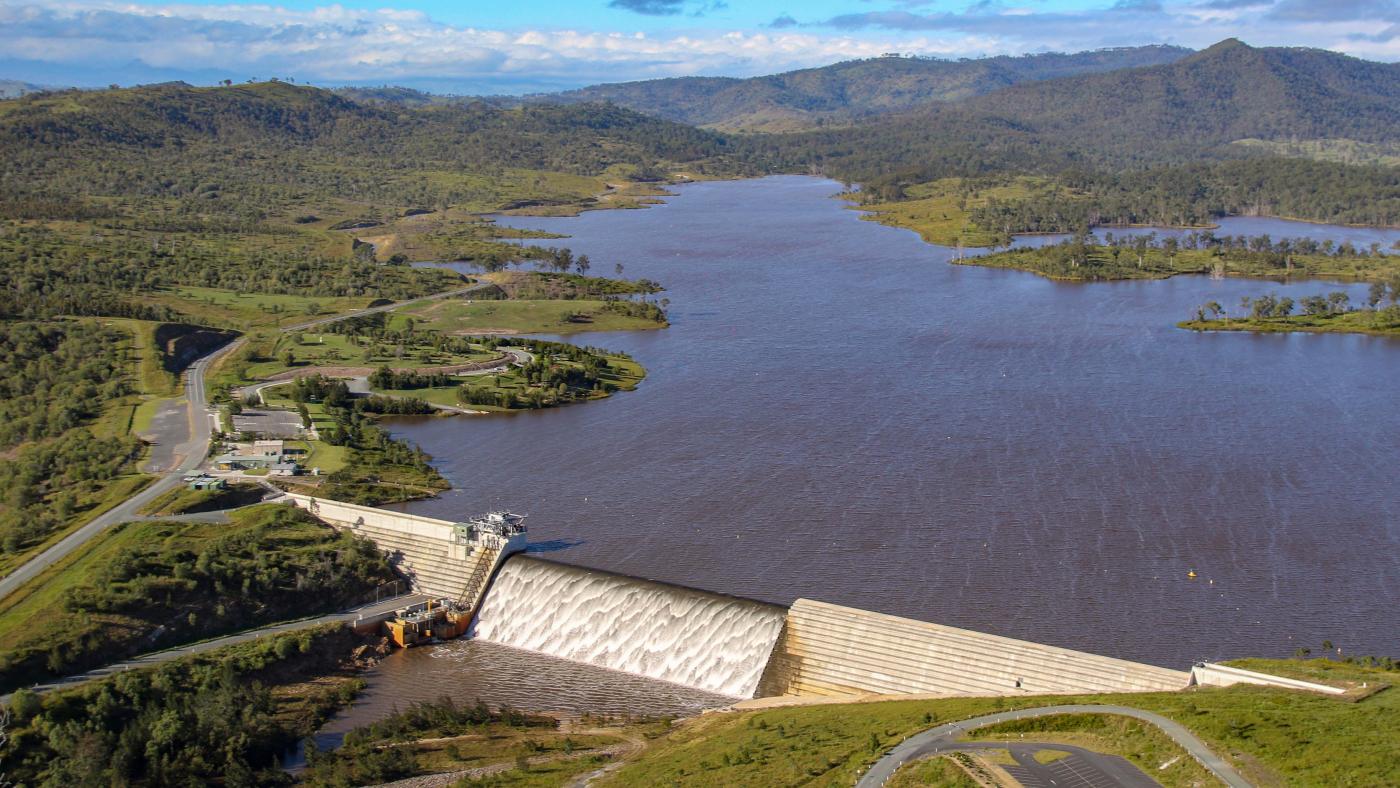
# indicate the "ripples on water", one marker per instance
pixel 838 413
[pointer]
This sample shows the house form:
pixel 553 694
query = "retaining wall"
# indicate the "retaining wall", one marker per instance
pixel 831 650
pixel 420 548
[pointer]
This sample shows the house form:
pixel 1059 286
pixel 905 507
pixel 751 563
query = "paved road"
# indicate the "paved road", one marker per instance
pixel 385 308
pixel 190 455
pixel 1080 768
pixel 943 739
pixel 158 657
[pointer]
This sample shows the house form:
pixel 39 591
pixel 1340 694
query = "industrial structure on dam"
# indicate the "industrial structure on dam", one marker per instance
pixel 476 584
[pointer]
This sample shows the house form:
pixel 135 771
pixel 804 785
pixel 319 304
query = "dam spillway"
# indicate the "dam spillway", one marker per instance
pixel 709 641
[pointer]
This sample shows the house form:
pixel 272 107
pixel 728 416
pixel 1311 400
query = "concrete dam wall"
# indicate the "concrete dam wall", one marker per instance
pixel 832 650
pixel 709 641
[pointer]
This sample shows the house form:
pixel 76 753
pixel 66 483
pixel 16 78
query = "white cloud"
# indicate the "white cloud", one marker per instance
pixel 335 44
pixel 96 41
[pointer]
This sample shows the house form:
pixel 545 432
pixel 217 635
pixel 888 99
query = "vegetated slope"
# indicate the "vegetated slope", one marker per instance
pixel 1155 142
pixel 1184 111
pixel 843 93
pixel 1226 93
pixel 170 140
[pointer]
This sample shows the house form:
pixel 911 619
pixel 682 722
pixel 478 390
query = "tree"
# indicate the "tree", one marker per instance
pixel 1375 294
pixel 617 269
pixel 583 264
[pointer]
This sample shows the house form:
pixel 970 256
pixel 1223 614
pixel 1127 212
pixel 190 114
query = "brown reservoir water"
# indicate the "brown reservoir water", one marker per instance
pixel 839 413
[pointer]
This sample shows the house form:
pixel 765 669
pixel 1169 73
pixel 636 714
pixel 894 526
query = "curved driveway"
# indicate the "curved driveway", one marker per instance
pixel 941 739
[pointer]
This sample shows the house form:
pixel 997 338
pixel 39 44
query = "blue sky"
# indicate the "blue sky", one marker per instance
pixel 537 45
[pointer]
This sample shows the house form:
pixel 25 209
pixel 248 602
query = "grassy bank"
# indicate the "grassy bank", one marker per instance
pixel 182 500
pixel 939 211
pixel 147 585
pixel 461 316
pixel 1273 736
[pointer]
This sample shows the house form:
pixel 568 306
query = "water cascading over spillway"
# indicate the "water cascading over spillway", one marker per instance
pixel 708 641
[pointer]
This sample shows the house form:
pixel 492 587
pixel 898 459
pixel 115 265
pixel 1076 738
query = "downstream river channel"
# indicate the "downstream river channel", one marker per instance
pixel 839 413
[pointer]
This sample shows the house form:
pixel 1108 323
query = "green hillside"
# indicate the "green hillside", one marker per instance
pixel 847 92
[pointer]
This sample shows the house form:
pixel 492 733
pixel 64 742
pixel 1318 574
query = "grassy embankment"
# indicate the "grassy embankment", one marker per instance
pixel 182 500
pixel 1273 736
pixel 939 210
pixel 1104 263
pixel 153 584
pixel 1355 322
pixel 535 302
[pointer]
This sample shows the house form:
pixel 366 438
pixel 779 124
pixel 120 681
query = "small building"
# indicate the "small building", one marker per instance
pixel 205 482
pixel 283 469
pixel 438 619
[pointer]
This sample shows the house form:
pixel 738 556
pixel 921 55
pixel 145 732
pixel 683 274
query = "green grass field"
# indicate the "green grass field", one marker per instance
pixel 456 316
pixel 1275 737
pixel 251 310
pixel 938 211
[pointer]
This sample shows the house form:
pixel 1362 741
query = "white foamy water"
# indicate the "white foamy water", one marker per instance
pixel 708 641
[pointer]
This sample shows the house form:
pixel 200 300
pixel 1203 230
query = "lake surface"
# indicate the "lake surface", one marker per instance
pixel 838 413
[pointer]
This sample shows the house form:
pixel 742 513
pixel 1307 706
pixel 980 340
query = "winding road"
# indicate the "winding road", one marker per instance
pixel 189 456
pixel 385 307
pixel 944 739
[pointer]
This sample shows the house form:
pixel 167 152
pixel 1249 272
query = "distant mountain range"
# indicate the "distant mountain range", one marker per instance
pixel 845 93
pixel 12 88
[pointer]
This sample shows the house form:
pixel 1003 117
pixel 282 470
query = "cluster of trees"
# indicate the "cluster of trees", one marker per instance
pixel 44 264
pixel 55 376
pixel 393 406
pixel 398 380
pixel 364 760
pixel 1330 304
pixel 1083 256
pixel 1195 194
pixel 654 311
pixel 204 720
pixel 381 469
pixel 48 484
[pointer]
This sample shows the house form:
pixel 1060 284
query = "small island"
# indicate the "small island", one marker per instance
pixel 1331 313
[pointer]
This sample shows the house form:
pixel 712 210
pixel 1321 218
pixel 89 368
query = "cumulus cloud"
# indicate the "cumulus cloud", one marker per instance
pixel 100 41
pixel 1344 25
pixel 107 41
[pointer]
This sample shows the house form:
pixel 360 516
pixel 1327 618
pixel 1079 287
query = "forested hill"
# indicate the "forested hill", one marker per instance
pixel 1226 93
pixel 252 148
pixel 847 92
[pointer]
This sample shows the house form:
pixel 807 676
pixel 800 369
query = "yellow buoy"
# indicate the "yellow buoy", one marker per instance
pixel 1191 574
